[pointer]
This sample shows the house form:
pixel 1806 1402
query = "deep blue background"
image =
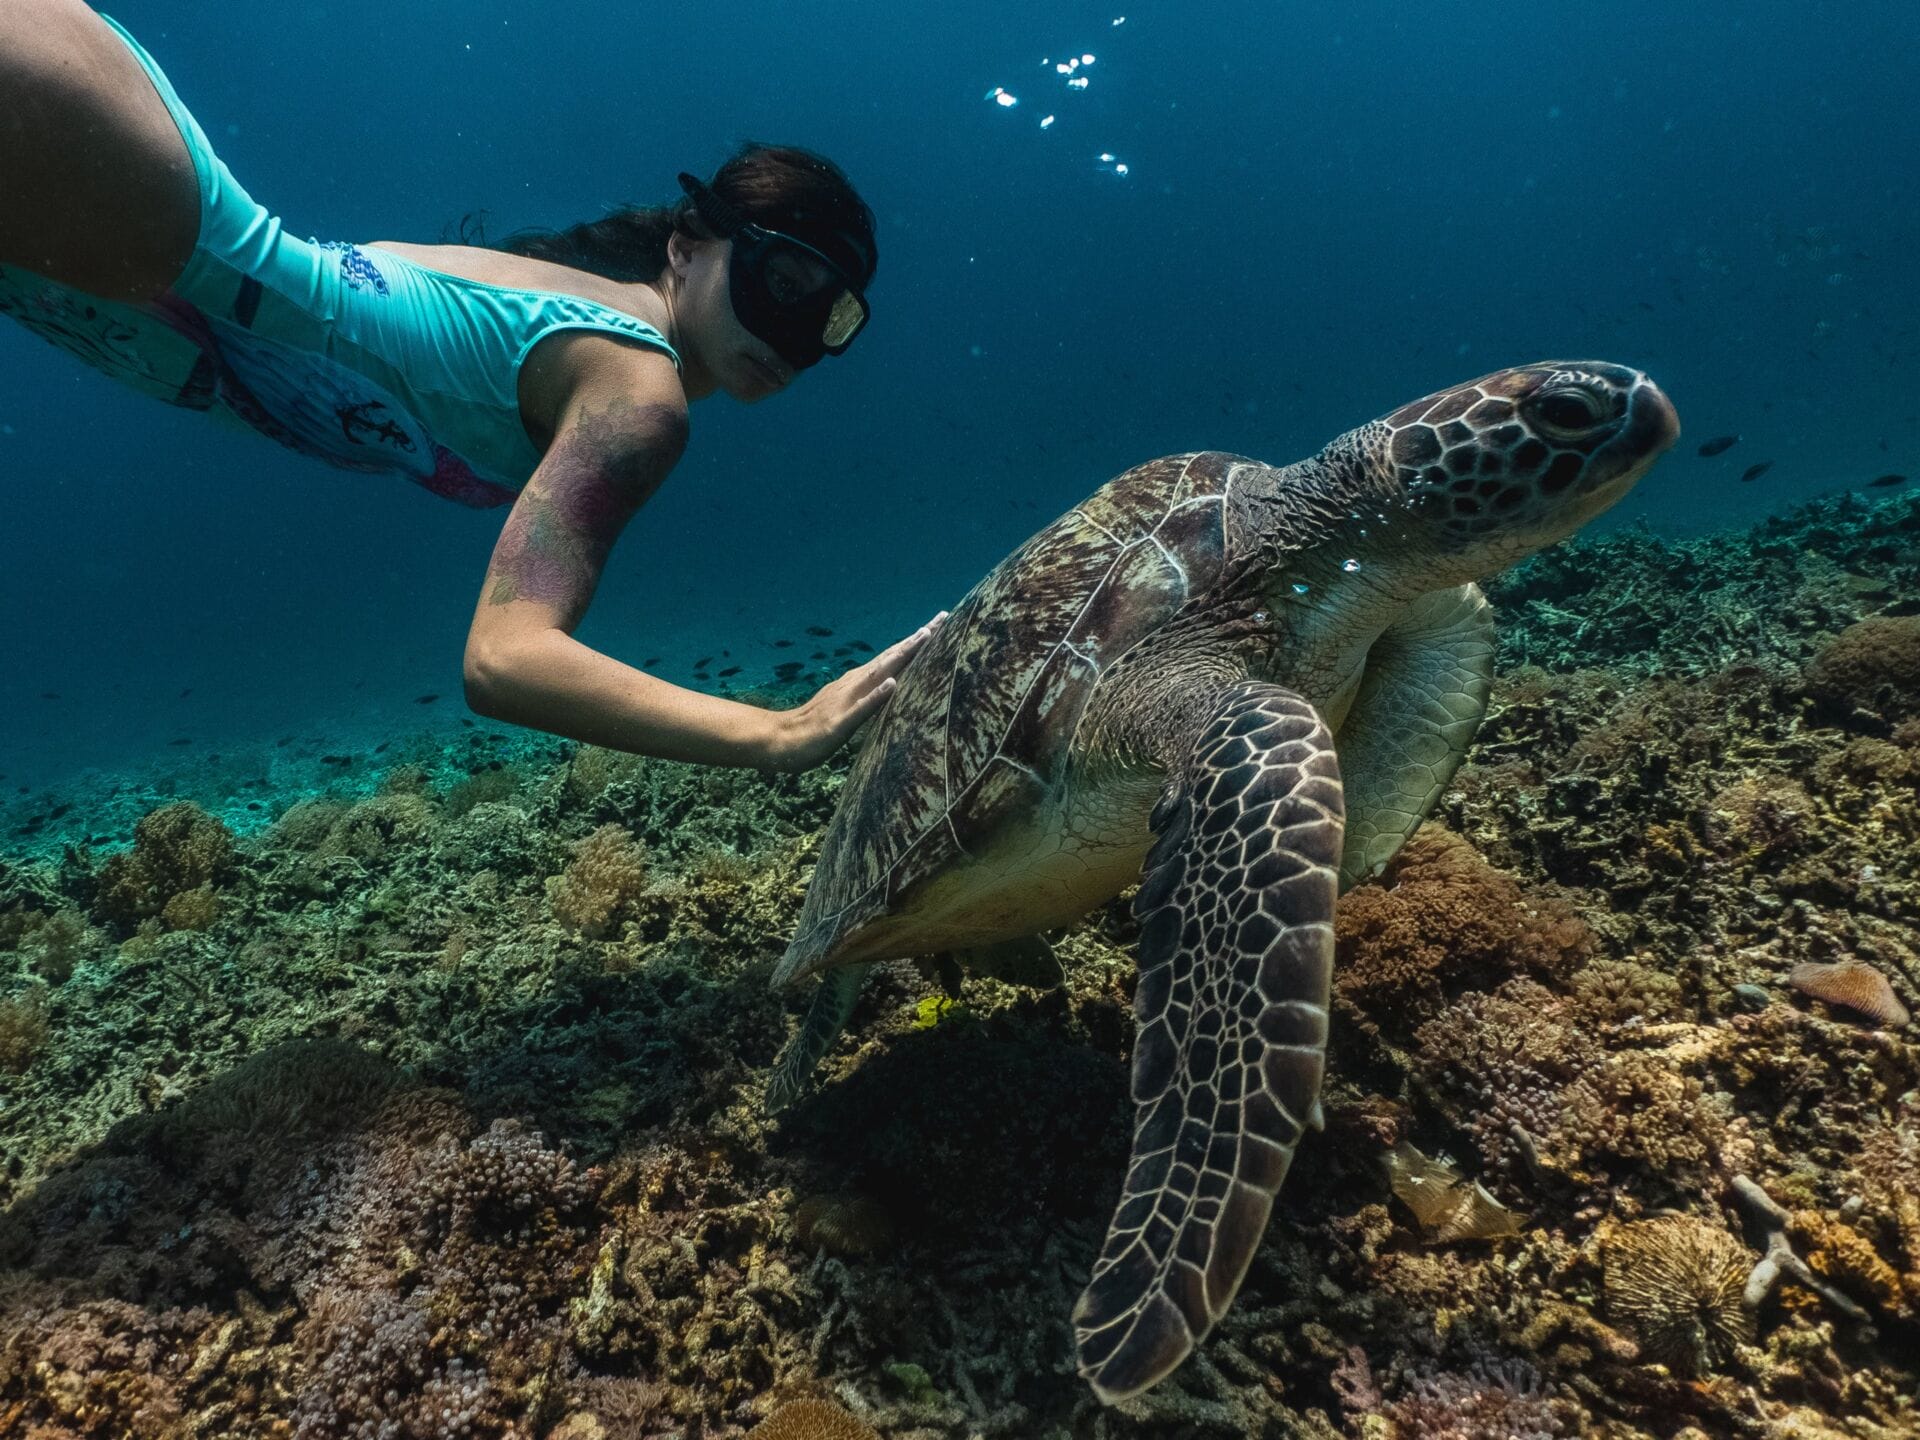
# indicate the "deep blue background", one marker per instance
pixel 1329 211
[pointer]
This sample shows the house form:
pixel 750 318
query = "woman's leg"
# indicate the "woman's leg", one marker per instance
pixel 97 190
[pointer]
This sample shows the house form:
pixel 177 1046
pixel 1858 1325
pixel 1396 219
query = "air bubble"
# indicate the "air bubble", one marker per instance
pixel 1300 587
pixel 1350 566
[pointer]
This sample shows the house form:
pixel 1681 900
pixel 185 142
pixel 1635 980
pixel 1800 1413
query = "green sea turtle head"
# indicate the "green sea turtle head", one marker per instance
pixel 1472 478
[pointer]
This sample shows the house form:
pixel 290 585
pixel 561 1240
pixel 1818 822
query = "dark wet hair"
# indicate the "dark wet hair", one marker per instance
pixel 779 186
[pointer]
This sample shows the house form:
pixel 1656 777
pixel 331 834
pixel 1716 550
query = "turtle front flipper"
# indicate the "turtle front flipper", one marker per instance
pixel 1422 698
pixel 1236 952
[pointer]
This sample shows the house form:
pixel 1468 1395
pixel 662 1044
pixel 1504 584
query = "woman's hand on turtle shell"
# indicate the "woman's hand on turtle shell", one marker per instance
pixel 809 733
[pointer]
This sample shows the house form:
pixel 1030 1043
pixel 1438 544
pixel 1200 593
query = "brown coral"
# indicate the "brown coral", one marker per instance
pixel 607 872
pixel 1853 985
pixel 175 848
pixel 1678 1283
pixel 812 1420
pixel 194 909
pixel 1874 665
pixel 23 1030
pixel 1444 921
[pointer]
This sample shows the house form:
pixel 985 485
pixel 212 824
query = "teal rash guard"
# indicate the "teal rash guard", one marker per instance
pixel 346 353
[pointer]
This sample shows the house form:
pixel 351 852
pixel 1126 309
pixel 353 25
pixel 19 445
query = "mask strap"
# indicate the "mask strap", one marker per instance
pixel 714 209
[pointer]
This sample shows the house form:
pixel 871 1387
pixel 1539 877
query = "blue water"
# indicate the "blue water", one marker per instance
pixel 1326 212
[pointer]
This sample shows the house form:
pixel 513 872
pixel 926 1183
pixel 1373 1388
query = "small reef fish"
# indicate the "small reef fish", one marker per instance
pixel 425 699
pixel 782 644
pixel 861 646
pixel 818 630
pixel 1754 472
pixel 183 740
pixel 1718 445
pixel 649 662
pixel 1889 480
pixel 703 662
pixel 730 670
pixel 49 694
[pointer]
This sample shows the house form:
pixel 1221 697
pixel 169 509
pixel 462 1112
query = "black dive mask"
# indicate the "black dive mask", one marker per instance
pixel 777 292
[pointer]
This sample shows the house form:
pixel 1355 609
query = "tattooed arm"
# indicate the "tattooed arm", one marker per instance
pixel 613 444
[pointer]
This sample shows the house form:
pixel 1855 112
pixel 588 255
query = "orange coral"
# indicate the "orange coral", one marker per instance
pixel 1839 1253
pixel 1445 920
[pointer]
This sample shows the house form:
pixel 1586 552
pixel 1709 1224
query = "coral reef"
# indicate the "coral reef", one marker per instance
pixel 425 1101
pixel 176 849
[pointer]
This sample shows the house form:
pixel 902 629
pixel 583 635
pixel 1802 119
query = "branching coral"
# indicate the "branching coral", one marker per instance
pixel 608 872
pixel 1503 1399
pixel 506 1182
pixel 1540 1087
pixel 175 848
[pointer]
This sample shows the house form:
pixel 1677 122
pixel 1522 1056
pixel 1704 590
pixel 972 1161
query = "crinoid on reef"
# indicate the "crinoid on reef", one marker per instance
pixel 411 1120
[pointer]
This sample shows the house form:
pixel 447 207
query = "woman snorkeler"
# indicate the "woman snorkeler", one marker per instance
pixel 551 374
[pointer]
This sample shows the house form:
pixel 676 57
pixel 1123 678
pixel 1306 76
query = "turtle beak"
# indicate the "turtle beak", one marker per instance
pixel 1652 425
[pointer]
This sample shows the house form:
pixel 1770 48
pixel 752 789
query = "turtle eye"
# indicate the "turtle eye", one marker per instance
pixel 1570 412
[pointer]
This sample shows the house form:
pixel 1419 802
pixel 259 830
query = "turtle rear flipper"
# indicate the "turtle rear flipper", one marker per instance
pixel 1236 952
pixel 832 1003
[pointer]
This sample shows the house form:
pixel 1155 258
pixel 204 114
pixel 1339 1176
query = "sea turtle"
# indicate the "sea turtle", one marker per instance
pixel 1244 686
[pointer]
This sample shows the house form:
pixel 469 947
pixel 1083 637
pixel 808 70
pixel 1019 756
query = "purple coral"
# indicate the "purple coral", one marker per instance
pixel 1491 1400
pixel 383 1376
pixel 507 1182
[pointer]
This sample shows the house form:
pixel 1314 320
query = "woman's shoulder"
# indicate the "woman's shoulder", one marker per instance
pixel 635 391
